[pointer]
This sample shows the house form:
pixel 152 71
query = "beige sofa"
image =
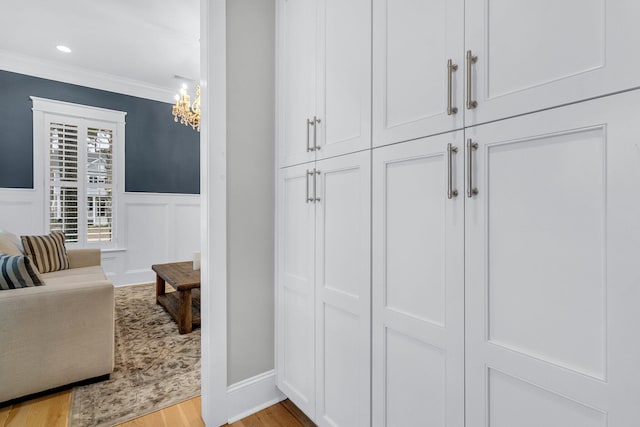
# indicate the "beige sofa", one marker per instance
pixel 59 333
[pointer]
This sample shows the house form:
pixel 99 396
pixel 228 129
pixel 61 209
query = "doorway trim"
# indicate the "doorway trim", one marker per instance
pixel 213 191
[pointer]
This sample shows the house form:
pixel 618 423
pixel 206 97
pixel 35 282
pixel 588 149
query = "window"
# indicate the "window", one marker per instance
pixel 80 183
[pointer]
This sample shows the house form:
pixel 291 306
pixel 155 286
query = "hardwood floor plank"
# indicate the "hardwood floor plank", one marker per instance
pixel 53 411
pixel 274 416
pixel 50 411
pixel 297 413
pixel 4 415
pixel 192 410
pixel 183 414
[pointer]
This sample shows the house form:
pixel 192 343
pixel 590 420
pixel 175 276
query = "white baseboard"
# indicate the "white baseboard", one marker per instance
pixel 252 395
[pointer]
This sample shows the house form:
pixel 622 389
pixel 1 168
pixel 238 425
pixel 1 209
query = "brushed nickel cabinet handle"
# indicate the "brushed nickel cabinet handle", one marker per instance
pixel 471 147
pixel 451 67
pixel 316 121
pixel 471 104
pixel 451 192
pixel 309 122
pixel 315 189
pixel 309 199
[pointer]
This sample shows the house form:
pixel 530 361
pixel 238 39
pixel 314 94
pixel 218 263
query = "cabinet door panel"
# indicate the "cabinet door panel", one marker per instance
pixel 412 42
pixel 296 79
pixel 344 77
pixel 418 289
pixel 343 290
pixel 295 288
pixel 536 55
pixel 550 280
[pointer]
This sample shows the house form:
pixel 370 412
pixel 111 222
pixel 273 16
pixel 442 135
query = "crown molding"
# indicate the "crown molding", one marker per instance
pixel 31 66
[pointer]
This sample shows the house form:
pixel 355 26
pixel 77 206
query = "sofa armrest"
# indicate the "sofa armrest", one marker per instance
pixel 55 335
pixel 83 257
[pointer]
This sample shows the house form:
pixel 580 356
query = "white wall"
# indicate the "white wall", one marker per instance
pixel 152 229
pixel 250 187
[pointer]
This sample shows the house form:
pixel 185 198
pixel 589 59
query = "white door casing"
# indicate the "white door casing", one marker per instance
pixel 418 288
pixel 551 275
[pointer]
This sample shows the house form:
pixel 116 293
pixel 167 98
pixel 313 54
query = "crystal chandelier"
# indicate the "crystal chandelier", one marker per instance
pixel 187 113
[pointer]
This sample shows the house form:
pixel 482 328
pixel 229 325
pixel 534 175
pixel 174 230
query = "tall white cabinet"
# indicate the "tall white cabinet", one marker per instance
pixel 323 348
pixel 418 283
pixel 551 286
pixel 456 212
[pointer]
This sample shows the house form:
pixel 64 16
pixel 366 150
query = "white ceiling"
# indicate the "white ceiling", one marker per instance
pixel 148 41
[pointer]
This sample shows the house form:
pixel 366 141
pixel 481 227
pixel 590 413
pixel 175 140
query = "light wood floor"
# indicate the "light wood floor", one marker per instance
pixel 53 411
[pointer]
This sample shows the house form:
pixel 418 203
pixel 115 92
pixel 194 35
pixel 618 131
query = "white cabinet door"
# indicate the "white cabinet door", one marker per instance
pixel 344 77
pixel 295 288
pixel 412 43
pixel 343 291
pixel 418 287
pixel 538 54
pixel 296 80
pixel 552 243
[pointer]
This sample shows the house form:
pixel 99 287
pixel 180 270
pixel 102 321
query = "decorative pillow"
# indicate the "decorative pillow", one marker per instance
pixel 10 244
pixel 16 271
pixel 48 253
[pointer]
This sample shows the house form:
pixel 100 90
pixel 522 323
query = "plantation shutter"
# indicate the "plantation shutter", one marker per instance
pixel 99 184
pixel 63 178
pixel 81 181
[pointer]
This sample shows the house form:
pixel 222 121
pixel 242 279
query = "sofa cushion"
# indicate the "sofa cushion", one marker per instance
pixel 16 271
pixel 10 244
pixel 74 275
pixel 48 253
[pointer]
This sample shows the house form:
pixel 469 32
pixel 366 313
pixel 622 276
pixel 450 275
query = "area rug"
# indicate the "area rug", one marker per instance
pixel 155 366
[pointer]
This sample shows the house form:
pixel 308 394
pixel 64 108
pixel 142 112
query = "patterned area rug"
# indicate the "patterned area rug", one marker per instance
pixel 155 366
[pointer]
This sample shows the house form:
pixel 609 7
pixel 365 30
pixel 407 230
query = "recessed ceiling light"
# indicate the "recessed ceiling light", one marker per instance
pixel 64 49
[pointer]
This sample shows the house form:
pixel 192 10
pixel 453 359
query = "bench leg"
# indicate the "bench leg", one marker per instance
pixel 159 287
pixel 184 312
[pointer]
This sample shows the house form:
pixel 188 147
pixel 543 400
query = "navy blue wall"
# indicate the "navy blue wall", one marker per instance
pixel 160 156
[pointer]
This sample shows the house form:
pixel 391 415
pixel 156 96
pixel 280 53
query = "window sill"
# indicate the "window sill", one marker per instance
pixel 110 250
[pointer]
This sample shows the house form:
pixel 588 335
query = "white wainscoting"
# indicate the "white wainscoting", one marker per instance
pixel 252 395
pixel 151 229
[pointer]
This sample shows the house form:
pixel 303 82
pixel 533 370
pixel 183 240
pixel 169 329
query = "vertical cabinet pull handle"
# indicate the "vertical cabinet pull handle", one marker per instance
pixel 471 104
pixel 309 122
pixel 451 192
pixel 315 189
pixel 451 67
pixel 471 147
pixel 309 199
pixel 316 121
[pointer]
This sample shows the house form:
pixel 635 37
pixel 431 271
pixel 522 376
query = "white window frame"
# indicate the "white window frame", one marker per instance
pixel 47 110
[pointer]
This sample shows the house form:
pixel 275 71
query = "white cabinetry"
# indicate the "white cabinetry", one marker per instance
pixel 512 56
pixel 413 41
pixel 418 283
pixel 551 268
pixel 498 282
pixel 543 231
pixel 295 288
pixel 539 54
pixel 343 290
pixel 324 78
pixel 323 287
pixel 296 80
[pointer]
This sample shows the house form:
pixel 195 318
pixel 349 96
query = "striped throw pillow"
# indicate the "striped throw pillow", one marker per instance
pixel 16 271
pixel 48 253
